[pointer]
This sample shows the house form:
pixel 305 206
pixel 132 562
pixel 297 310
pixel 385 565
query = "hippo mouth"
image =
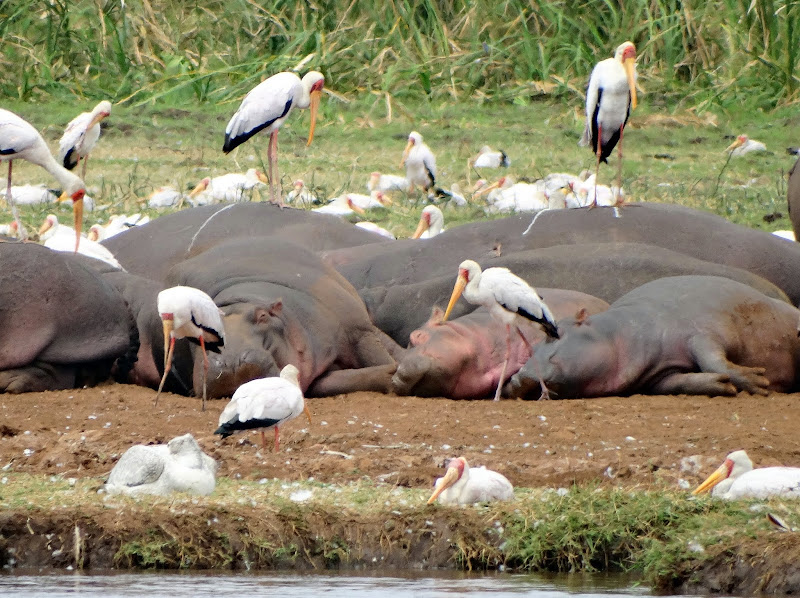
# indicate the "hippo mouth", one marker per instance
pixel 226 373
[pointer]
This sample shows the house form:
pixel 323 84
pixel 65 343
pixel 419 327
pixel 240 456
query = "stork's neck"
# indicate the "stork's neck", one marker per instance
pixel 69 181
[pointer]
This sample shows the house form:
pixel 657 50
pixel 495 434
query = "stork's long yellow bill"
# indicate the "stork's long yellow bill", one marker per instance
pixel 168 324
pixel 315 97
pixel 450 478
pixel 461 282
pixel 77 210
pixel 409 145
pixel 421 228
pixel 630 66
pixel 712 480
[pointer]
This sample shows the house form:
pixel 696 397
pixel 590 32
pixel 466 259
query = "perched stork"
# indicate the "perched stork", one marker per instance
pixel 58 237
pixel 462 485
pixel 743 145
pixel 19 140
pixel 420 163
pixel 431 223
pixel 736 478
pixel 386 182
pixel 266 107
pixel 81 134
pixel 187 312
pixel 263 404
pixel 505 295
pixel 609 99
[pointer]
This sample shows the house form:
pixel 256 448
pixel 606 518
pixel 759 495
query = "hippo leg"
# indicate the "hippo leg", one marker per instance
pixel 409 373
pixel 376 379
pixel 710 356
pixel 703 383
pixel 371 351
pixel 38 376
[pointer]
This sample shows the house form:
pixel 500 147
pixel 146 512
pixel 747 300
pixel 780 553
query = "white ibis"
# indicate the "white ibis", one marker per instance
pixel 340 206
pixel 505 295
pixel 610 97
pixel 264 403
pixel 378 230
pixel 230 187
pixel 420 163
pixel 20 140
pixel 431 223
pixel 386 182
pixel 80 136
pixel 189 313
pixel 58 237
pixel 489 158
pixel 301 195
pixel 743 145
pixel 736 478
pixel 462 485
pixel 266 107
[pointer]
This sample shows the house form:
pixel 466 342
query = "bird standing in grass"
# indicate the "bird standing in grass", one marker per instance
pixel 81 135
pixel 190 313
pixel 266 107
pixel 420 163
pixel 506 296
pixel 610 97
pixel 263 404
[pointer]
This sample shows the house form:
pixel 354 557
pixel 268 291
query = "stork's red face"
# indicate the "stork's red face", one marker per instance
pixel 461 282
pixel 723 472
pixel 424 224
pixel 455 469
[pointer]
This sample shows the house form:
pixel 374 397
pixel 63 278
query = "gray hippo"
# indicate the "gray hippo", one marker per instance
pixel 62 325
pixel 462 358
pixel 793 197
pixel 604 270
pixel 676 335
pixel 283 305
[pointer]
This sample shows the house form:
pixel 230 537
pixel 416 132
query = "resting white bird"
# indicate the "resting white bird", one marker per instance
pixel 81 135
pixel 431 223
pixel 166 197
pixel 19 140
pixel 376 199
pixel 610 97
pixel 187 312
pixel 339 206
pixel 494 191
pixel 506 296
pixel 300 195
pixel 462 485
pixel 386 182
pixel 453 196
pixel 266 107
pixel 178 466
pixel 29 195
pixel 374 228
pixel 116 225
pixel 263 404
pixel 420 163
pixel 736 478
pixel 489 158
pixel 743 145
pixel 58 237
pixel 231 187
pixel 10 230
pixel 589 193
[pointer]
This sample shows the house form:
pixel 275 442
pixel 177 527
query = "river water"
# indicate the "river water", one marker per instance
pixel 290 585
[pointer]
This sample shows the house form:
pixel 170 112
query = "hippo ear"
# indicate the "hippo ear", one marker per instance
pixel 264 314
pixel 581 316
pixel 275 308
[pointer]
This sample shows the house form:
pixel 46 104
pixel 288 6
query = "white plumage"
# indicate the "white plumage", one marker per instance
pixel 374 228
pixel 339 206
pixel 266 107
pixel 81 135
pixel 263 404
pixel 179 466
pixel 19 140
pixel 375 200
pixel 116 224
pixel 29 195
pixel 165 197
pixel 10 230
pixel 386 182
pixel 462 485
pixel 187 312
pixel 736 479
pixel 230 187
pixel 743 145
pixel 300 195
pixel 431 223
pixel 489 158
pixel 420 163
pixel 59 237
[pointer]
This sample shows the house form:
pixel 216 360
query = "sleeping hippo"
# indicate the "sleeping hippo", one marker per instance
pixel 677 335
pixel 463 358
pixel 282 305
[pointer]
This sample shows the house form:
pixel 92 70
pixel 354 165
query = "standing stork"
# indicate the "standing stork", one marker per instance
pixel 187 312
pixel 81 134
pixel 420 163
pixel 263 404
pixel 609 99
pixel 266 107
pixel 505 295
pixel 20 140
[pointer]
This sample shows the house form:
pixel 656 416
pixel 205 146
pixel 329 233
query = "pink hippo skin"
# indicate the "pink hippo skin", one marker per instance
pixel 677 335
pixel 463 358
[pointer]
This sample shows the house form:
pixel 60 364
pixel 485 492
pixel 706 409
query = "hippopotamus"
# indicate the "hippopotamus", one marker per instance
pixel 691 232
pixel 463 358
pixel 282 305
pixel 62 325
pixel 676 335
pixel 603 270
pixel 793 197
pixel 152 249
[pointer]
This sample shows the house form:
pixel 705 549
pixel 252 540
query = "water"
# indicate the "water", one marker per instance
pixel 291 585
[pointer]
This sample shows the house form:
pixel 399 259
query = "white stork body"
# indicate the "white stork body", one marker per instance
pixel 30 195
pixel 505 295
pixel 736 479
pixel 300 195
pixel 263 404
pixel 10 229
pixel 431 223
pixel 521 197
pixel 386 182
pixel 58 237
pixel 165 197
pixel 420 163
pixel 339 206
pixel 489 158
pixel 266 107
pixel 610 96
pixel 743 145
pixel 376 200
pixel 230 187
pixel 80 136
pixel 453 196
pixel 20 140
pixel 116 225
pixel 374 228
pixel 589 193
pixel 462 485
pixel 190 313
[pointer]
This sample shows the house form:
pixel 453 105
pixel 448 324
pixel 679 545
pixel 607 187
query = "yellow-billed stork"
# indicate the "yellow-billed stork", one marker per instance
pixel 736 478
pixel 420 163
pixel 80 136
pixel 462 485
